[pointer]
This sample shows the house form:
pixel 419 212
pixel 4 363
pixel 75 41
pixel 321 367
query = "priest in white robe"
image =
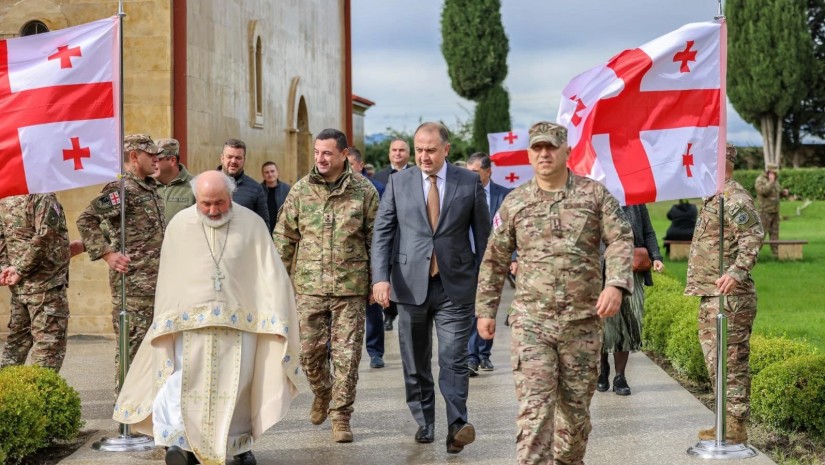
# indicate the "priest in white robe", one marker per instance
pixel 217 367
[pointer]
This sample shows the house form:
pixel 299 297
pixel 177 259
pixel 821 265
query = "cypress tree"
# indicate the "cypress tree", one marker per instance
pixel 769 61
pixel 475 47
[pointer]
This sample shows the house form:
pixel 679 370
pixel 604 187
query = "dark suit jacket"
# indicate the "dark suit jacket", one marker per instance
pixel 497 194
pixel 383 175
pixel 402 219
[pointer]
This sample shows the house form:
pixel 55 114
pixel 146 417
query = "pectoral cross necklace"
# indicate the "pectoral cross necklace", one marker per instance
pixel 217 276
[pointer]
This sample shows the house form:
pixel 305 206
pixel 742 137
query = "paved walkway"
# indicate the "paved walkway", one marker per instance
pixel 653 426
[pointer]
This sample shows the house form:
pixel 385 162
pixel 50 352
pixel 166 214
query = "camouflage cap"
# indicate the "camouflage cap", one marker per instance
pixel 771 167
pixel 545 131
pixel 730 152
pixel 168 147
pixel 140 142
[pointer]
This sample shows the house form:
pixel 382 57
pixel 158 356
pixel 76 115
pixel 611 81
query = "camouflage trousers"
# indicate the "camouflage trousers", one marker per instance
pixel 741 311
pixel 332 333
pixel 770 221
pixel 38 323
pixel 141 310
pixel 555 366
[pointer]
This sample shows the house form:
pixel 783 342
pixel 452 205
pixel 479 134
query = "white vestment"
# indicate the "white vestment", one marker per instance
pixel 217 365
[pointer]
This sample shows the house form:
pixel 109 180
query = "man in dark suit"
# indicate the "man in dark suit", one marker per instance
pixel 423 230
pixel 399 156
pixel 479 349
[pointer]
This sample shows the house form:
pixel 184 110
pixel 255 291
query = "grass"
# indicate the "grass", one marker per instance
pixel 791 295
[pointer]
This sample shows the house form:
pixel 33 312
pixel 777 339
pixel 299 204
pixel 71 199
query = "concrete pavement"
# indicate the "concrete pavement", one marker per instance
pixel 653 426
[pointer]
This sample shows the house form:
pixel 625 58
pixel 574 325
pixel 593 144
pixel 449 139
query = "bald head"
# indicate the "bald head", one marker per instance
pixel 213 194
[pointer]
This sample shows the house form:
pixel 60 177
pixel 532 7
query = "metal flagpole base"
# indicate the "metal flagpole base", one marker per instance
pixel 130 443
pixel 716 451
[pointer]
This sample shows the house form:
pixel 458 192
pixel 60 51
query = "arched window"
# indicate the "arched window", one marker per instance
pixel 259 98
pixel 33 27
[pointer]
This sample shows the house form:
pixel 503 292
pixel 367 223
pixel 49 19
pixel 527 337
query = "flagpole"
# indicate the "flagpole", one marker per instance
pixel 125 441
pixel 718 448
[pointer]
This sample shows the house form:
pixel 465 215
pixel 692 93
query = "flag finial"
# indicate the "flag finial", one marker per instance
pixel 719 13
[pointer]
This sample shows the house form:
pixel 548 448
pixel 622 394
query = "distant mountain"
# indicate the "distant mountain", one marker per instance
pixel 375 138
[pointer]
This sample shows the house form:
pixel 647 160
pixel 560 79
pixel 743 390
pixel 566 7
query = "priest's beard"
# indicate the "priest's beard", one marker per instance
pixel 215 223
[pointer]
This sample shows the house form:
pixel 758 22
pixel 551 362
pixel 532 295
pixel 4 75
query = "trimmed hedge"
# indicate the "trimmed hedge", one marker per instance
pixel 767 350
pixel 683 349
pixel 37 406
pixel 23 424
pixel 806 183
pixel 791 394
pixel 664 303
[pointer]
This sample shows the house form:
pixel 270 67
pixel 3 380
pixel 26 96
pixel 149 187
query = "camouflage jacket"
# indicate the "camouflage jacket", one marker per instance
pixel 768 194
pixel 743 235
pixel 145 225
pixel 177 195
pixel 557 235
pixel 326 230
pixel 34 239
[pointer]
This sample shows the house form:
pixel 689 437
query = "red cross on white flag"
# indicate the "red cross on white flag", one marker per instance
pixel 508 154
pixel 650 124
pixel 59 121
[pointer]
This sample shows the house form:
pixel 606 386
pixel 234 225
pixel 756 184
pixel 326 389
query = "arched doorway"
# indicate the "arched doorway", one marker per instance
pixel 305 149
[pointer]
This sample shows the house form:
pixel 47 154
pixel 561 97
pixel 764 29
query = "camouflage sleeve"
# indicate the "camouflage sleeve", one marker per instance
pixel 43 211
pixel 618 239
pixel 104 207
pixel 370 211
pixel 496 261
pixel 286 234
pixel 4 259
pixel 764 187
pixel 749 234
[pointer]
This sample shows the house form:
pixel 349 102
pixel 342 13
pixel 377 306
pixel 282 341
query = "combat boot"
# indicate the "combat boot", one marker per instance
pixel 320 410
pixel 341 431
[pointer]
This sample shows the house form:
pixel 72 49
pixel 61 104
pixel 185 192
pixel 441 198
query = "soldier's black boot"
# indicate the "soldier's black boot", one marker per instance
pixel 604 377
pixel 620 386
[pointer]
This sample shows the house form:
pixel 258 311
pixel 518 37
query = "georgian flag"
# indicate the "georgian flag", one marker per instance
pixel 59 111
pixel 650 124
pixel 508 157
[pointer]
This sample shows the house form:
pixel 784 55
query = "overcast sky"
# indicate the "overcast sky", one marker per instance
pixel 397 60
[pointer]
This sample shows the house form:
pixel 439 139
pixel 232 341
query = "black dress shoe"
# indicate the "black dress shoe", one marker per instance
pixel 604 378
pixel 486 365
pixel 620 386
pixel 376 361
pixel 473 366
pixel 247 458
pixel 459 435
pixel 388 324
pixel 177 456
pixel 425 434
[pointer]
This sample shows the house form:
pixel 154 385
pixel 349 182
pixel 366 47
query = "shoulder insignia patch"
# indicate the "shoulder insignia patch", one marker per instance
pixel 497 221
pixel 741 218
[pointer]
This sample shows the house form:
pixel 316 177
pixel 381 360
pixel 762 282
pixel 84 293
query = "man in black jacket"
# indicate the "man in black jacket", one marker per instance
pixel 275 189
pixel 249 194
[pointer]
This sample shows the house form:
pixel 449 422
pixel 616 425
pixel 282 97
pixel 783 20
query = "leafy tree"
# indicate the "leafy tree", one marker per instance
pixel 809 117
pixel 492 115
pixel 475 47
pixel 770 56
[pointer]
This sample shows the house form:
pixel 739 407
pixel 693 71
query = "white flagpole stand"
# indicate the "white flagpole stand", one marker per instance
pixel 125 441
pixel 718 449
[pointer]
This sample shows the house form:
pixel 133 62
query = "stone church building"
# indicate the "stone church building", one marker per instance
pixel 269 72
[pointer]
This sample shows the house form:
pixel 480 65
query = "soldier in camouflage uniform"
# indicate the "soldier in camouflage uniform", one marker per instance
pixel 743 235
pixel 557 221
pixel 324 234
pixel 173 179
pixel 768 192
pixel 145 224
pixel 34 259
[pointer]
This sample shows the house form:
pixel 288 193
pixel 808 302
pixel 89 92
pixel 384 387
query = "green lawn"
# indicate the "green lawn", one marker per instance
pixel 791 294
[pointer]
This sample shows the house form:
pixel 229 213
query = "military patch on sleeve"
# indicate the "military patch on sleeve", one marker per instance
pixel 106 203
pixel 744 219
pixel 497 221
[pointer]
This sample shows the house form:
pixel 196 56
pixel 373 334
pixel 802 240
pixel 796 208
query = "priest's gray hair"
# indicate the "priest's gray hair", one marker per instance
pixel 231 186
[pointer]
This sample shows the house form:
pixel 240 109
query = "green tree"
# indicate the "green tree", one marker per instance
pixel 809 117
pixel 770 56
pixel 492 115
pixel 475 47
